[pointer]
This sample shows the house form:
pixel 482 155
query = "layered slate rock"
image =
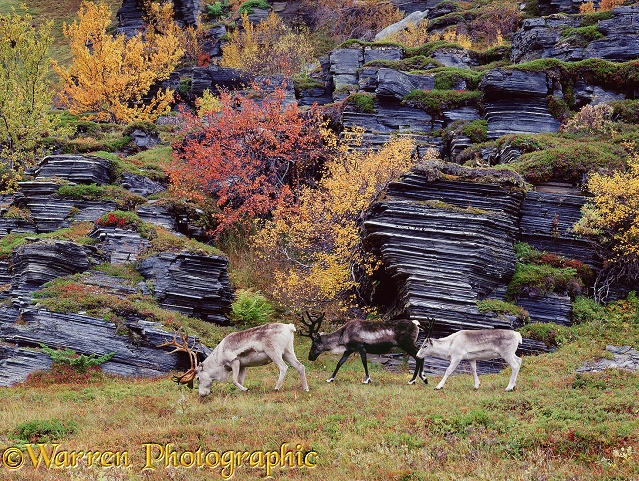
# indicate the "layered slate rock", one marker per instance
pixel 193 284
pixel 546 223
pixel 158 214
pixel 134 345
pixel 517 102
pixel 138 184
pixel 544 38
pixel 553 307
pixel 447 244
pixel 393 83
pixel 39 262
pixel 80 169
pixel 120 246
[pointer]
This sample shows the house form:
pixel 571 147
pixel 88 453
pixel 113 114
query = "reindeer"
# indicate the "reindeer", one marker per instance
pixel 364 337
pixel 474 345
pixel 237 351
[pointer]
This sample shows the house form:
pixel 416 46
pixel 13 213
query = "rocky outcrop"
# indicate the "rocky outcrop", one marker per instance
pixel 552 307
pixel 445 244
pixel 517 102
pixel 545 37
pixel 411 20
pixel 623 357
pixel 39 262
pixel 134 345
pixel 80 169
pixel 394 83
pixel 120 246
pixel 193 284
pixel 131 15
pixel 546 222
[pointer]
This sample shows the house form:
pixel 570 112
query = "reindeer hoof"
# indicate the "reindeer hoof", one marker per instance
pixel 411 382
pixel 366 381
pixel 330 379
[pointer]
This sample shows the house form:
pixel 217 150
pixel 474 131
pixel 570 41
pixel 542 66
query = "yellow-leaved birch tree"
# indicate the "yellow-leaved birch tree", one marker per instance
pixel 111 74
pixel 313 246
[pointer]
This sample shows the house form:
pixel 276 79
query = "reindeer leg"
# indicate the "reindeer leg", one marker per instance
pixel 362 353
pixel 281 365
pixel 515 363
pixel 339 364
pixel 298 366
pixel 235 369
pixel 241 374
pixel 451 368
pixel 419 371
pixel 473 369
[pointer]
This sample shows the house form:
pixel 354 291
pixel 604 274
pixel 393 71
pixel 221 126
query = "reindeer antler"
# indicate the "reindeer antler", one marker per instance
pixel 192 351
pixel 313 324
pixel 430 326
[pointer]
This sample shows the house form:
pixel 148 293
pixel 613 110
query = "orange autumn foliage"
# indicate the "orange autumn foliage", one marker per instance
pixel 110 74
pixel 313 246
pixel 248 153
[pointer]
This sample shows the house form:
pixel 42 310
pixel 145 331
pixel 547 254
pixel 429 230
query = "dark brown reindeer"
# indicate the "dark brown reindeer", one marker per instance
pixel 372 337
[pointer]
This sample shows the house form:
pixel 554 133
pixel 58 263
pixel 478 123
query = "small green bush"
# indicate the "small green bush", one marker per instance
pixel 543 279
pixel 436 101
pixel 363 101
pixel 215 9
pixel 251 308
pixel 47 431
pixel 585 309
pixel 81 362
pixel 249 5
pixel 502 307
pixel 476 131
pixel 551 334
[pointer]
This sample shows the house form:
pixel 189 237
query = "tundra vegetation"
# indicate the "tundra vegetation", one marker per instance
pixel 297 243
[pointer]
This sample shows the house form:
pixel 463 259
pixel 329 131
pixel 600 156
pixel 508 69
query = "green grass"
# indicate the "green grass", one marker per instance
pixel 556 425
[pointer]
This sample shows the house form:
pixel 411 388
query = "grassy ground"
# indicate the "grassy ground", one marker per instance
pixel 556 425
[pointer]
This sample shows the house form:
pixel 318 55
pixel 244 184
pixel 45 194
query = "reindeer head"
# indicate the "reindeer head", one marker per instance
pixel 192 351
pixel 428 342
pixel 313 325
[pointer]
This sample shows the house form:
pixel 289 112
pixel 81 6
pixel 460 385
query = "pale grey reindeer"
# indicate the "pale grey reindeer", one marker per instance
pixel 475 345
pixel 251 347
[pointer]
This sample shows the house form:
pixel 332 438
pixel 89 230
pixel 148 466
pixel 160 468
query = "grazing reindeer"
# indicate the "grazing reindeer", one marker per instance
pixel 474 345
pixel 237 351
pixel 364 337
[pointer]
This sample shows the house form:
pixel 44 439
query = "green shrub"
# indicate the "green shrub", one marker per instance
pixel 303 81
pixel 123 198
pixel 47 431
pixel 447 78
pixel 249 5
pixel 551 334
pixel 626 110
pixel 476 131
pixel 585 309
pixel 436 101
pixel 568 161
pixel 215 9
pixel 502 307
pixel 251 308
pixel 543 279
pixel 81 362
pixel 409 64
pixel 365 102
